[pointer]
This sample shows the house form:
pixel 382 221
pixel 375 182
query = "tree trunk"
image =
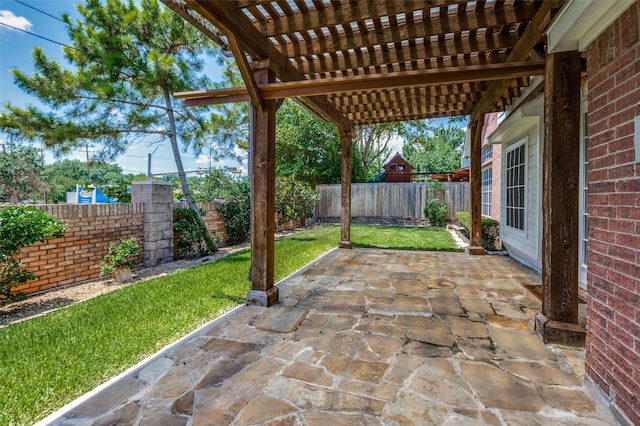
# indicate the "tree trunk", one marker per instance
pixel 211 245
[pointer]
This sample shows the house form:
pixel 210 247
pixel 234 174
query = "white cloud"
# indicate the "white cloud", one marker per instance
pixel 202 159
pixel 20 22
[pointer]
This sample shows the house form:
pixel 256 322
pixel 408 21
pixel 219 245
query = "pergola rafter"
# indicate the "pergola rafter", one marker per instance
pixel 328 40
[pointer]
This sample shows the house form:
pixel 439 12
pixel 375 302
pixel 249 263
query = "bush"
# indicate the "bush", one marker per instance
pixel 295 200
pixel 120 255
pixel 234 202
pixel 490 230
pixel 21 226
pixel 435 210
pixel 190 241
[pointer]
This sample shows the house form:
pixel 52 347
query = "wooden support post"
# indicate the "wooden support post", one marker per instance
pixel 475 181
pixel 345 215
pixel 558 322
pixel 262 143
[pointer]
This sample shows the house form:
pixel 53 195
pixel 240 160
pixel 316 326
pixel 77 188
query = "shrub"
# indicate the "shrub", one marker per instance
pixel 295 200
pixel 120 255
pixel 234 202
pixel 190 241
pixel 435 210
pixel 21 226
pixel 490 230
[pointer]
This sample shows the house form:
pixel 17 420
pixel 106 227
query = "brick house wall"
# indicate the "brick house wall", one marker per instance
pixel 613 281
pixel 491 124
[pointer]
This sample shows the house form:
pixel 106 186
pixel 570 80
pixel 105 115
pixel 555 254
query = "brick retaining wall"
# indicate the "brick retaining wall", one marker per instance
pixel 77 255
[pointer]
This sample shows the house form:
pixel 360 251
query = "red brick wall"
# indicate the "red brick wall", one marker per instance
pixel 613 302
pixel 77 256
pixel 213 220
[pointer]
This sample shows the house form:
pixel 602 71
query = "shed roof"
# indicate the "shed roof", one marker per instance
pixel 375 61
pixel 398 159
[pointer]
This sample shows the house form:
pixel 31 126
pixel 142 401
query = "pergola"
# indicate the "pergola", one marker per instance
pixel 374 61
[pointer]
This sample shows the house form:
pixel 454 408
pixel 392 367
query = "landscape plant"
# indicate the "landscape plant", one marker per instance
pixel 189 240
pixel 435 210
pixel 490 230
pixel 120 255
pixel 295 201
pixel 233 198
pixel 21 226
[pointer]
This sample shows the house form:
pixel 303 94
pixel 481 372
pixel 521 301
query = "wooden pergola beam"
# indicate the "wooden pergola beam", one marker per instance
pixel 559 320
pixel 404 58
pixel 228 19
pixel 354 11
pixel 521 51
pixel 309 88
pixel 496 41
pixel 380 56
pixel 247 74
pixel 475 183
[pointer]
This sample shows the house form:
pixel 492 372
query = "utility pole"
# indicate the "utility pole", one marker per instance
pixel 149 176
pixel 86 145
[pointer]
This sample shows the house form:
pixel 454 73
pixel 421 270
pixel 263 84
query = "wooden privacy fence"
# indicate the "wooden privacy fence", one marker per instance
pixel 404 201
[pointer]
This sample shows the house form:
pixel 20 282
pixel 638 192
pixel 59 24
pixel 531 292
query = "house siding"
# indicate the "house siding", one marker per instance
pixel 613 299
pixel 525 245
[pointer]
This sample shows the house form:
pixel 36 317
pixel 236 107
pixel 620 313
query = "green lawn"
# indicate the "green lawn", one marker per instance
pixel 48 361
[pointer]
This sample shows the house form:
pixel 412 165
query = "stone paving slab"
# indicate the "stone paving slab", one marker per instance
pixel 366 337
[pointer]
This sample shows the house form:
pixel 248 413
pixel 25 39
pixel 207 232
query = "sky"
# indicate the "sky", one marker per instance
pixel 49 33
pixel 39 19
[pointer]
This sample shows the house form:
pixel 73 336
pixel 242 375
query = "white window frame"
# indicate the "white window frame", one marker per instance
pixel 487 193
pixel 583 222
pixel 486 153
pixel 516 193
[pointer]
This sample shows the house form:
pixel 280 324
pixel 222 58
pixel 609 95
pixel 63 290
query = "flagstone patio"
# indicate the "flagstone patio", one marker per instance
pixel 366 337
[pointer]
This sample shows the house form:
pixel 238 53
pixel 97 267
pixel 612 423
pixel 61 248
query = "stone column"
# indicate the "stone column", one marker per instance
pixel 157 198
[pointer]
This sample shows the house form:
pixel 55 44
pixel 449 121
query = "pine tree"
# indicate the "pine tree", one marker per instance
pixel 127 59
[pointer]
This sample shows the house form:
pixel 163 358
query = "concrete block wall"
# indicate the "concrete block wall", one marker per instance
pixel 613 280
pixel 77 255
pixel 157 198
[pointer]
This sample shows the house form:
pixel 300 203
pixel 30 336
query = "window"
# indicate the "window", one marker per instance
pixel 487 153
pixel 584 233
pixel 487 175
pixel 515 187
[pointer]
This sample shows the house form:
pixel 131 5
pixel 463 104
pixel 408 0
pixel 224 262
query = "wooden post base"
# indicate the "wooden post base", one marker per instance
pixel 263 298
pixel 564 333
pixel 345 245
pixel 476 251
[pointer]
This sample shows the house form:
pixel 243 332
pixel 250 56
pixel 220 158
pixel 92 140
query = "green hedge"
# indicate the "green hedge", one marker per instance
pixel 490 230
